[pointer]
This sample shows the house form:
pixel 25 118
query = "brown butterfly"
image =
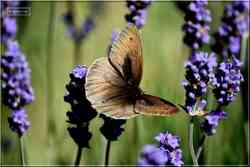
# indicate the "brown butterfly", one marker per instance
pixel 112 83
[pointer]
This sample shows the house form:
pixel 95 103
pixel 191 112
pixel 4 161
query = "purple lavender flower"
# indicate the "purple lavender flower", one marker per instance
pixel 235 24
pixel 168 141
pixel 87 27
pixel 196 28
pixel 16 86
pixel 8 29
pixel 138 12
pixel 227 78
pixel 199 71
pixel 211 121
pixel 81 110
pixel 226 81
pixel 168 152
pixel 73 32
pixel 18 121
pixel 176 158
pixel 152 155
pixel 15 76
pixel 15 73
pixel 170 144
pixel 111 128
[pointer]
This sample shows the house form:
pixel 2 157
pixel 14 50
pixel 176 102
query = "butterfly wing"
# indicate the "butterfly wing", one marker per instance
pixel 107 91
pixel 126 55
pixel 152 105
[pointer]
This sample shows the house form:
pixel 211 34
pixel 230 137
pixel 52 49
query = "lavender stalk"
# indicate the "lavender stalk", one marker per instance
pixel 22 151
pixel 190 141
pixel 78 156
pixel 107 152
pixel 49 63
pixel 111 130
pixel 200 146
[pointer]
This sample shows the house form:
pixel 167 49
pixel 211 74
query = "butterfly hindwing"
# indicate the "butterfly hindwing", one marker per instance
pixel 106 90
pixel 127 50
pixel 152 105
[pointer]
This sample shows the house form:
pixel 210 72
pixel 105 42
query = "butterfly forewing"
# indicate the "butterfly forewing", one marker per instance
pixel 106 90
pixel 126 55
pixel 152 105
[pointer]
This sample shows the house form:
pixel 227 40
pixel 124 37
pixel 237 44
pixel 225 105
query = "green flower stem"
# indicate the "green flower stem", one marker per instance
pixel 78 156
pixel 22 151
pixel 200 147
pixel 107 153
pixel 190 139
pixel 49 63
pixel 244 56
pixel 243 51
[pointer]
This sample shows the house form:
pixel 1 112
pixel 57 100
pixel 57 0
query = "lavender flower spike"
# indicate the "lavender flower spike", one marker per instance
pixel 81 110
pixel 196 28
pixel 15 76
pixel 138 12
pixel 227 78
pixel 226 81
pixel 235 25
pixel 18 121
pixel 199 72
pixel 16 87
pixel 111 128
pixel 168 153
pixel 77 34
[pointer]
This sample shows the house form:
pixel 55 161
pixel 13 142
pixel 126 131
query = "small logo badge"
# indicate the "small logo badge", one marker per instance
pixel 19 11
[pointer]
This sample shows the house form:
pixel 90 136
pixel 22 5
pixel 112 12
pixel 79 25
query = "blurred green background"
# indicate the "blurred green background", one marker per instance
pixel 164 56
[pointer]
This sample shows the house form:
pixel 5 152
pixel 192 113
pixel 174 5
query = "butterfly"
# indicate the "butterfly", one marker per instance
pixel 112 82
